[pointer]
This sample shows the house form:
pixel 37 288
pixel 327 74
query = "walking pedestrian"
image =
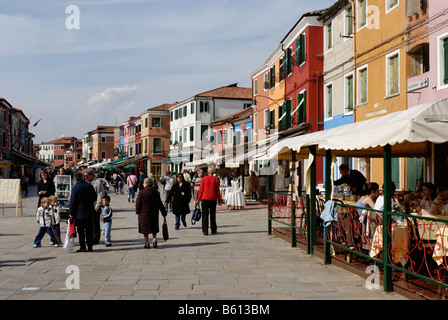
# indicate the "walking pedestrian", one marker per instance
pixel 97 184
pixel 45 187
pixel 82 210
pixel 147 208
pixel 132 183
pixel 180 195
pixel 209 195
pixel 169 180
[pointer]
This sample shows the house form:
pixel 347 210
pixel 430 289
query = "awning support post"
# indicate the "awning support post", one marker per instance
pixel 328 191
pixel 387 161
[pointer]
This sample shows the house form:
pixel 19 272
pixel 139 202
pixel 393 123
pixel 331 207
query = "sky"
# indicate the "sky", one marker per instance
pixel 127 56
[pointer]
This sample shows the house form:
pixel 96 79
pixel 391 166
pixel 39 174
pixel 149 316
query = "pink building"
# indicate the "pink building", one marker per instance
pixel 428 74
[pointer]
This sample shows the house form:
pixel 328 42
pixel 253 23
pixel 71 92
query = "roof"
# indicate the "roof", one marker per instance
pixel 231 91
pixel 61 140
pixel 245 113
pixel 317 13
pixel 103 129
pixel 163 107
pixel 333 9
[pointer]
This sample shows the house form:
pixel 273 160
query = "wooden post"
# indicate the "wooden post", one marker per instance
pixel 313 217
pixel 293 216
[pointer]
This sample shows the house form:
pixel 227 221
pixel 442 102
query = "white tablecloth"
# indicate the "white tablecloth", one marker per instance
pixel 235 200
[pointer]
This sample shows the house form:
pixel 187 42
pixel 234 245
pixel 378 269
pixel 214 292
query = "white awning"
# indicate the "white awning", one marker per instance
pixel 409 131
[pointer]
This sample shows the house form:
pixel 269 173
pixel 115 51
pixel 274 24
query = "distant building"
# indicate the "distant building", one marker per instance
pixel 190 134
pixel 98 144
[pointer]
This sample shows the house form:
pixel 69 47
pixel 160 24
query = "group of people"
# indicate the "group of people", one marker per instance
pixel 178 194
pixel 90 204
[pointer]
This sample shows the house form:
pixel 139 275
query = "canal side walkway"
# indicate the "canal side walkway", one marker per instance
pixel 240 262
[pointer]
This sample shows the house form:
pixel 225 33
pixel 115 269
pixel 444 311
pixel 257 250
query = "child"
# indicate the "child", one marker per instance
pixel 106 214
pixel 55 221
pixel 43 216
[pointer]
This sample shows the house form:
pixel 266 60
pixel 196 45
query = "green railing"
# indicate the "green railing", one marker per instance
pixel 415 244
pixel 287 209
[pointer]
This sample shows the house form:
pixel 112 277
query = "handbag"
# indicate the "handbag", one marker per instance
pixel 165 230
pixel 196 216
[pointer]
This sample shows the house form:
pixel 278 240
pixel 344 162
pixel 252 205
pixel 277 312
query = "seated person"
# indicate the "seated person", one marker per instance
pixel 440 203
pixel 379 203
pixel 429 194
pixel 353 178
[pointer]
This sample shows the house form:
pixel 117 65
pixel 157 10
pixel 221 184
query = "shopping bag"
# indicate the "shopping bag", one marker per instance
pixel 196 216
pixel 69 243
pixel 165 230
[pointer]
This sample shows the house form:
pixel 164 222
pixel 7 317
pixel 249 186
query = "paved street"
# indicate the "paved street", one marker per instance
pixel 240 262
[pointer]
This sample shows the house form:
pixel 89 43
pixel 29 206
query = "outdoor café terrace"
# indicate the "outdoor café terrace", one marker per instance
pixel 416 243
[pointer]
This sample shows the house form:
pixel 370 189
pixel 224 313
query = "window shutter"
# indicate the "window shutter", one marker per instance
pixel 191 133
pixel 445 59
pixel 350 94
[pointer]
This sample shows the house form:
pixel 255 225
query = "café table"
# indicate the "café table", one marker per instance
pixel 435 231
pixel 400 242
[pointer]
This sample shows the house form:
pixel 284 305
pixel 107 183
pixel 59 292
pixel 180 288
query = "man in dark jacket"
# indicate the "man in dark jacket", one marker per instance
pixel 82 209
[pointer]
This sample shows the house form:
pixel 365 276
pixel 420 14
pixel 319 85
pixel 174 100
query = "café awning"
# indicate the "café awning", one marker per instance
pixel 410 133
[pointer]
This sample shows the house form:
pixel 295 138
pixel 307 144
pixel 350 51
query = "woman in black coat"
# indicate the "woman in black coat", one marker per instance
pixel 180 194
pixel 147 207
pixel 45 187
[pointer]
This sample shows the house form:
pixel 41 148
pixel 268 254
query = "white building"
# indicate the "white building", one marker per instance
pixel 190 137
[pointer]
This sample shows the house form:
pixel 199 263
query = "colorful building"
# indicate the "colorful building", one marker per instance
pixel 155 137
pixel 380 62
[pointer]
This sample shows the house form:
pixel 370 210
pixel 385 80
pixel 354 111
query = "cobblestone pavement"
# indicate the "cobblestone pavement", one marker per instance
pixel 240 262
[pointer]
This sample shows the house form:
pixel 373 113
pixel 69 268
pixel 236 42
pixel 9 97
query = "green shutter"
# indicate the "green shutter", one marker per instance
pixel 192 108
pixel 191 133
pixel 298 51
pixel 289 60
pixel 445 59
pixel 288 113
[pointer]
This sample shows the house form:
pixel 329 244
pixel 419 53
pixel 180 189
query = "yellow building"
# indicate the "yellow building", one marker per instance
pixel 380 71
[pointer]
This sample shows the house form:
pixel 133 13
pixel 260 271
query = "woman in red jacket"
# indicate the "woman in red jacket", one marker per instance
pixel 210 195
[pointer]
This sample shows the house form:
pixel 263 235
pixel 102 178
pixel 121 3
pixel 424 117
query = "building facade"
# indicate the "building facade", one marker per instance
pixel 190 134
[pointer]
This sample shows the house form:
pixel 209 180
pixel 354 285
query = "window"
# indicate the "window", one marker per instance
pixel 284 114
pixel 301 107
pixel 103 155
pixel 266 117
pixel 443 59
pixel 255 123
pixel 204 133
pixel 362 85
pixel 289 64
pixel 156 145
pixel 349 93
pixel 225 137
pixel 266 81
pixel 185 111
pixel 171 115
pixel 329 101
pixel 203 106
pixel 349 21
pixel 419 60
pixel 146 122
pixel 180 112
pixel 300 49
pixel 329 36
pixel 192 108
pixel 272 77
pixel 391 4
pixel 191 133
pixel 255 87
pixel 362 13
pixel 219 138
pixel 176 114
pixel 393 74
pixel 156 122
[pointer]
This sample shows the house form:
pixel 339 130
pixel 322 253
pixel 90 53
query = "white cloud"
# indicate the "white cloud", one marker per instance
pixel 110 94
